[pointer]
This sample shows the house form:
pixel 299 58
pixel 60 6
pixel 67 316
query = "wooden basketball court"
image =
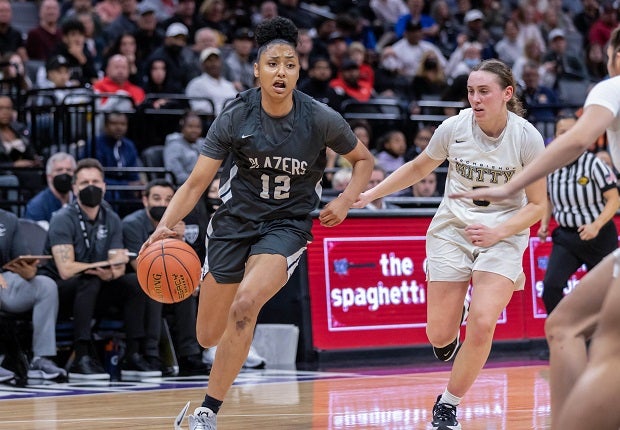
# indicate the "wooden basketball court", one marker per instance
pixel 512 396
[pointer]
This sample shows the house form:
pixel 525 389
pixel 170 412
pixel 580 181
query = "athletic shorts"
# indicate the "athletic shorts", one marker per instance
pixel 451 257
pixel 231 241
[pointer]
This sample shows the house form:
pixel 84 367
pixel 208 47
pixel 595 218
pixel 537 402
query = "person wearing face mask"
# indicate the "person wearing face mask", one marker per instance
pixel 137 227
pixel 389 81
pixel 59 173
pixel 85 240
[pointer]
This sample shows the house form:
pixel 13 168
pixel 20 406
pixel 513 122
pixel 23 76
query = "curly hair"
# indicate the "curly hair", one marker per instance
pixel 277 29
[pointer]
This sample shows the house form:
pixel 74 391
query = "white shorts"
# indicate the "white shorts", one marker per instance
pixel 452 257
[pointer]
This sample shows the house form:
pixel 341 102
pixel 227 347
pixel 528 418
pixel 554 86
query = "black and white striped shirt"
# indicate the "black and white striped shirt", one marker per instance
pixel 576 191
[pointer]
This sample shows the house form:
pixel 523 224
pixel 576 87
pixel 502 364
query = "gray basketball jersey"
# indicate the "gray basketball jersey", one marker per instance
pixel 274 170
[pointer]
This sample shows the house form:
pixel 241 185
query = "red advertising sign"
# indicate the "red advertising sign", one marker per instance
pixel 368 285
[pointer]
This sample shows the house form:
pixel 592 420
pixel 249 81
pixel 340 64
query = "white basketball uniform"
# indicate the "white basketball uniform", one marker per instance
pixel 477 160
pixel 607 94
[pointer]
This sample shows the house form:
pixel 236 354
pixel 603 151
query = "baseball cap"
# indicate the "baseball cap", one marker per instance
pixel 556 32
pixel 207 52
pixel 334 36
pixel 473 15
pixel 349 64
pixel 145 6
pixel 56 62
pixel 244 33
pixel 176 29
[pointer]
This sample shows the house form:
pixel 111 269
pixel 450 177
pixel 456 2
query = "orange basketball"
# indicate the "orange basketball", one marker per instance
pixel 169 270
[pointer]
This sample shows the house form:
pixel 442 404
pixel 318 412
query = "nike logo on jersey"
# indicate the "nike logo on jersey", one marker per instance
pixel 245 136
pixel 460 140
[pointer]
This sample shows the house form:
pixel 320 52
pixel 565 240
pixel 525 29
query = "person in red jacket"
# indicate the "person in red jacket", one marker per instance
pixel 349 83
pixel 116 80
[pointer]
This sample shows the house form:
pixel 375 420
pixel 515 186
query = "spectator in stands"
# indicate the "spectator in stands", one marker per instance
pixel 84 8
pixel 357 53
pixel 10 38
pixel 157 82
pixel 213 200
pixel 389 81
pixel 341 179
pixel 476 31
pixel 205 38
pixel 290 9
pixel 73 47
pixel 584 19
pixel 539 101
pixel 14 70
pixel 393 146
pixel 596 63
pixel 214 14
pixel 116 80
pixel 601 29
pixel 57 76
pixel 21 290
pixel 185 13
pixel 94 45
pixel 238 66
pixel 412 47
pixel 317 83
pixel 349 84
pixel 529 28
pixel 127 46
pixel 182 149
pixel 16 150
pixel 376 177
pixel 59 171
pixel 420 142
pixel 137 227
pixel 508 48
pixel 559 64
pixel 427 187
pixel 86 242
pixel 416 14
pixel 115 149
pixel 531 52
pixel 181 65
pixel 108 11
pixel 43 39
pixel 448 27
pixel 464 59
pixel 125 22
pixel 388 12
pixel 148 36
pixel 268 9
pixel 210 84
pixel 429 81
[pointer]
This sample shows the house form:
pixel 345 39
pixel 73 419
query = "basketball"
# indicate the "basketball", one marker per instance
pixel 168 270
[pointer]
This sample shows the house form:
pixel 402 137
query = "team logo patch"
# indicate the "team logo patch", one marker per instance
pixel 102 232
pixel 583 180
pixel 2 230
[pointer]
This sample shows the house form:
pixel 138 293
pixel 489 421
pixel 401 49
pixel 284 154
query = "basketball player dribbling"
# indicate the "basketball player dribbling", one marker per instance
pixel 470 240
pixel 584 382
pixel 274 140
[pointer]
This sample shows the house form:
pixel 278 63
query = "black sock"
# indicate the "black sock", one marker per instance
pixel 133 346
pixel 211 403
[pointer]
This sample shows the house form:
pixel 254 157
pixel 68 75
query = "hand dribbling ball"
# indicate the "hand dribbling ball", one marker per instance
pixel 168 270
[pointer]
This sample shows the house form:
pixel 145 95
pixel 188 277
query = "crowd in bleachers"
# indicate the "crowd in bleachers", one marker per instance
pixel 135 85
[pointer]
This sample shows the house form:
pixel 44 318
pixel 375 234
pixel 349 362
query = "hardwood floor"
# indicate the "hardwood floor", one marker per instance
pixel 510 397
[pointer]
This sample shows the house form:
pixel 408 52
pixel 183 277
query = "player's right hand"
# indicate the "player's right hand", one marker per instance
pixel 491 194
pixel 160 233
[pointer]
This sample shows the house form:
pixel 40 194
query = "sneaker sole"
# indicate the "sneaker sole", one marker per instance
pixel 6 378
pixel 89 376
pixel 140 374
pixel 39 374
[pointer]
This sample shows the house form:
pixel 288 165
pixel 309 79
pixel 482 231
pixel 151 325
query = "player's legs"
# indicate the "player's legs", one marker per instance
pixel 213 308
pixel 444 307
pixel 568 328
pixel 491 293
pixel 588 403
pixel 265 275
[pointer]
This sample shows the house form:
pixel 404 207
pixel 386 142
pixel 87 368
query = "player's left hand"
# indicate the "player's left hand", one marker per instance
pixel 334 212
pixel 491 194
pixel 482 235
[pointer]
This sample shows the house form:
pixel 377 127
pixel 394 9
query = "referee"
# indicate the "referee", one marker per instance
pixel 584 198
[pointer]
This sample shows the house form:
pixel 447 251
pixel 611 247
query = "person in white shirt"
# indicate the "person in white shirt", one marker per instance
pixel 210 84
pixel 411 48
pixel 472 241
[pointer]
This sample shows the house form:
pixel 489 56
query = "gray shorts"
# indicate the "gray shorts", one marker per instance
pixel 231 241
pixel 451 257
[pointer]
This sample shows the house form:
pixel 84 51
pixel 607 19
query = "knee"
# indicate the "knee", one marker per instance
pixel 47 288
pixel 439 337
pixel 480 329
pixel 555 326
pixel 244 311
pixel 207 338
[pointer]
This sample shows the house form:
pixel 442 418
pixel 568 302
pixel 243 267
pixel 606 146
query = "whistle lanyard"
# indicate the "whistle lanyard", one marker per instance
pixel 83 226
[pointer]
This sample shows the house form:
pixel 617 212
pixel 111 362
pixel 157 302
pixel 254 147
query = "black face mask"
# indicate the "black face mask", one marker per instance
pixel 156 212
pixel 91 196
pixel 62 183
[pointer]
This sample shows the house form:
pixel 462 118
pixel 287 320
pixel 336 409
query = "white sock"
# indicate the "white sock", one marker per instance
pixel 449 398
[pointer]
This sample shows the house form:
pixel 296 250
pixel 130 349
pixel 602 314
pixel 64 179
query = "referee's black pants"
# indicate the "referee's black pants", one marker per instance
pixel 569 252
